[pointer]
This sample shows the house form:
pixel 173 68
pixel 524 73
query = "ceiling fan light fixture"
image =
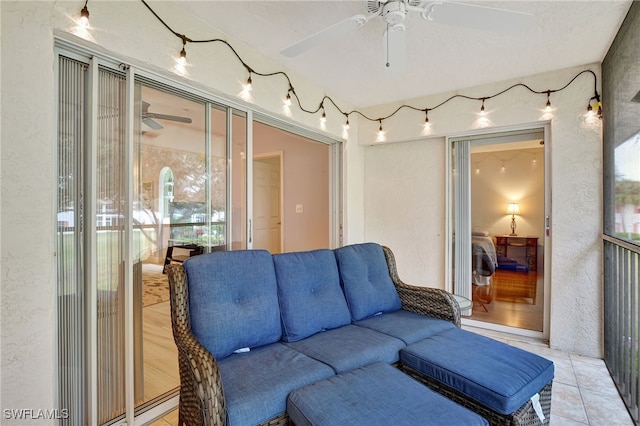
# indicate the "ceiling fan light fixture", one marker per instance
pixel 394 12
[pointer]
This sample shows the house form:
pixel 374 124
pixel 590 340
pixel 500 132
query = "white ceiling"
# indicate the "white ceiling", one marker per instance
pixel 441 57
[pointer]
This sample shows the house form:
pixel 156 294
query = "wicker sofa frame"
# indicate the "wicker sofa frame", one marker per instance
pixel 202 399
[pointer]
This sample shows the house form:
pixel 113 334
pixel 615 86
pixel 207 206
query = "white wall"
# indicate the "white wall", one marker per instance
pixel 405 192
pixel 493 188
pixel 126 30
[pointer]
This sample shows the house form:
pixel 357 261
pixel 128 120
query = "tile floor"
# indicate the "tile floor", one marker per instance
pixel 583 391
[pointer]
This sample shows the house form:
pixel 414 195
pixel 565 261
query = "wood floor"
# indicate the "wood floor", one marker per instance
pixel 159 352
pixel 516 299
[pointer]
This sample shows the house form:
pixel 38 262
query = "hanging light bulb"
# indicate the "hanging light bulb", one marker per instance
pixel 249 85
pixel 426 126
pixel 287 101
pixel 548 105
pixel 482 107
pixel 381 135
pixel 503 168
pixel 323 117
pixel 346 123
pixel 84 15
pixel 182 59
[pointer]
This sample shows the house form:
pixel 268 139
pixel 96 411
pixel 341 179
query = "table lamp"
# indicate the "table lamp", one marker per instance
pixel 513 209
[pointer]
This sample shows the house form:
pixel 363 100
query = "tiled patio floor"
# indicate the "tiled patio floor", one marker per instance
pixel 583 391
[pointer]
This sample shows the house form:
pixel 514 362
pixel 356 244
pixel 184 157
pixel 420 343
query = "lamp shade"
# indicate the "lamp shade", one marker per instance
pixel 513 208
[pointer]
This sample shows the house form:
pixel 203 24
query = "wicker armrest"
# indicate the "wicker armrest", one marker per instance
pixel 201 396
pixel 428 301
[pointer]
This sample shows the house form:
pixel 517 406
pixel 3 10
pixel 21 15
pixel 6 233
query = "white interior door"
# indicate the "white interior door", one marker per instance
pixel 267 200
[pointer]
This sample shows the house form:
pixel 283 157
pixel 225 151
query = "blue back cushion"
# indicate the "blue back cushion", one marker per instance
pixel 233 300
pixel 366 281
pixel 309 292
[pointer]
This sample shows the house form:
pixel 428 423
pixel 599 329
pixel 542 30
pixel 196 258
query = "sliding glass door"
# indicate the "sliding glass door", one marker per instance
pixel 499 204
pixel 148 174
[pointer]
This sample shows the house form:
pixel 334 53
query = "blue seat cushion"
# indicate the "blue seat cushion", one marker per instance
pixel 365 279
pixel 377 394
pixel 349 347
pixel 256 383
pixel 233 300
pixel 406 326
pixel 497 375
pixel 309 292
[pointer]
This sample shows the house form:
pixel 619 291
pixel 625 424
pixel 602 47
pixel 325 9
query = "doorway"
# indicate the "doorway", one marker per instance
pixel 498 212
pixel 267 202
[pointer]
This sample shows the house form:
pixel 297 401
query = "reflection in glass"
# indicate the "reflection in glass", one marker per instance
pixel 627 189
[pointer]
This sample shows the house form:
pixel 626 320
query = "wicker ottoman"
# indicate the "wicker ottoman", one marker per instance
pixel 377 394
pixel 504 384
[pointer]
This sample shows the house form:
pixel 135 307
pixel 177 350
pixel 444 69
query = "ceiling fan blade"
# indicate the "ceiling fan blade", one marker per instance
pixel 478 17
pixel 327 34
pixel 149 122
pixel 168 117
pixel 395 48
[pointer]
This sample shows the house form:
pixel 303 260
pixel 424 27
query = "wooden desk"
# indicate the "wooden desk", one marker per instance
pixel 530 243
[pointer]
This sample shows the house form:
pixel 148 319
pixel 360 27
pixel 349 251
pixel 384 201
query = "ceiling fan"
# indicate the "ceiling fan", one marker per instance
pixel 148 117
pixel 393 13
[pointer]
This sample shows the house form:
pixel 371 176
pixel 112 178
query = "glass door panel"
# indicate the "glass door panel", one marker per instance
pixel 497 209
pixel 238 172
pixel 171 222
pixel 215 237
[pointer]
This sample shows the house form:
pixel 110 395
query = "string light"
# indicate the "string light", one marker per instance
pixel 182 58
pixel 84 15
pixel 381 134
pixel 248 86
pixel 346 123
pixel 287 100
pixel 548 105
pixel 323 117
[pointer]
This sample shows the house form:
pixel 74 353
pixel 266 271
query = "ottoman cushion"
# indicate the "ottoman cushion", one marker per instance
pixel 496 375
pixel 377 394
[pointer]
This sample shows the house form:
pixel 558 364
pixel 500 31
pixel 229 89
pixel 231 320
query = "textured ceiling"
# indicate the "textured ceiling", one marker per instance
pixel 440 57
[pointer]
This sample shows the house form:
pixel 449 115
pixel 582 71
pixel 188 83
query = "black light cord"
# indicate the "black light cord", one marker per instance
pixel 291 90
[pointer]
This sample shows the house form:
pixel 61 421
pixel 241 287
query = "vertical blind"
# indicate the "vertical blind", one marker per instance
pixel 76 189
pixel 462 219
pixel 111 214
pixel 72 84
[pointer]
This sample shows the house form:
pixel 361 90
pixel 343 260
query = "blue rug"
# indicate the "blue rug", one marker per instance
pixel 508 264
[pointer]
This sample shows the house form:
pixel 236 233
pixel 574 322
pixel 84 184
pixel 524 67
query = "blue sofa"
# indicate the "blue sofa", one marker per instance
pixel 252 327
